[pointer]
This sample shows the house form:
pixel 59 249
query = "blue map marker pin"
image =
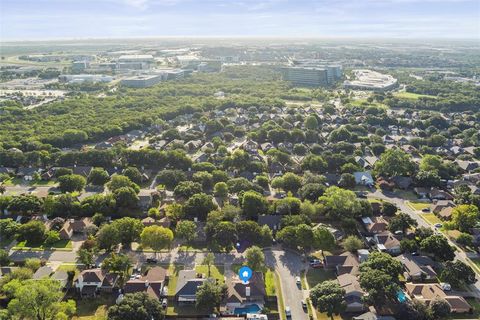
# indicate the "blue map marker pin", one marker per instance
pixel 245 273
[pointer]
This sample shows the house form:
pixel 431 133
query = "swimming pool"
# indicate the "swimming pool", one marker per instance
pixel 251 308
pixel 401 296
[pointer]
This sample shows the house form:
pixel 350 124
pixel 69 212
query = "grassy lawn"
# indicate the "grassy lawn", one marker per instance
pixel 476 262
pixel 70 267
pixel 315 276
pixel 412 96
pixel 431 218
pixel 193 247
pixel 281 304
pixel 270 282
pixel 407 195
pixel 324 316
pixel 476 310
pixel 64 245
pixel 173 270
pixel 216 272
pixel 418 205
pixel 173 309
pixel 94 309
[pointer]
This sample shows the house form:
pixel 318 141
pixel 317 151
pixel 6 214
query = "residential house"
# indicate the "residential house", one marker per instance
pixel 91 281
pixel 347 262
pixel 151 283
pixel 149 221
pixel 145 198
pixel 82 170
pixel 240 295
pixel 403 182
pixel 387 242
pixel 272 221
pixel 438 194
pixel 421 192
pixel 27 174
pixel 363 178
pixel 250 146
pixel 417 268
pixel 370 315
pixel 375 224
pixel 429 292
pixel 66 232
pixel 446 213
pixel 353 292
pixel 467 166
pixel 442 204
pixel 187 285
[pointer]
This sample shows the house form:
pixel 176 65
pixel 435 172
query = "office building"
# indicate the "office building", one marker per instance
pixel 80 78
pixel 306 76
pixel 143 81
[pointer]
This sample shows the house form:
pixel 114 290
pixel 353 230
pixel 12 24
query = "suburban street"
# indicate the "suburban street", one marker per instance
pixel 400 203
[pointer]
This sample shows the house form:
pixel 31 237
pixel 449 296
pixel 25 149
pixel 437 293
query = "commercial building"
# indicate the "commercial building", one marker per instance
pixel 370 80
pixel 135 62
pixel 312 74
pixel 143 81
pixel 80 78
pixel 306 76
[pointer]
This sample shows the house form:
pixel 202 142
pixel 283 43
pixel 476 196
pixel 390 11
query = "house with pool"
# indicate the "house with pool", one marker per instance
pixel 243 299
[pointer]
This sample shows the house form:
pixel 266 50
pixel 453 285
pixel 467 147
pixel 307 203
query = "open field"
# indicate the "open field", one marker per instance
pixel 413 96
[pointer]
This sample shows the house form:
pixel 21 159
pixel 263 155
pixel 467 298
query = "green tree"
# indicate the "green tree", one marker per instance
pixel 129 229
pixel 458 274
pixel 198 206
pixel 380 286
pixel 340 203
pixel 133 174
pixel 51 237
pixel 347 181
pixel 33 232
pixel 383 262
pixel 401 222
pixel 311 123
pixel 86 257
pixel 288 182
pixel 209 260
pixel 225 235
pixel 117 263
pixel 438 246
pixel 8 228
pixel 126 197
pixel 4 259
pixel 328 297
pixel 465 217
pixel 136 306
pixel 39 299
pixel 255 258
pixel 156 237
pixel 323 239
pixel 118 181
pixel 220 190
pixel 108 237
pixel 186 230
pixel 394 162
pixel 208 296
pixel 440 309
pixel 98 177
pixel 71 183
pixel 253 204
pixel 186 189
pixel 352 243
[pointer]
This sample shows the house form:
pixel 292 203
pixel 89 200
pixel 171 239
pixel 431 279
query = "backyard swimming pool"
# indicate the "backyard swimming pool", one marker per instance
pixel 401 296
pixel 251 308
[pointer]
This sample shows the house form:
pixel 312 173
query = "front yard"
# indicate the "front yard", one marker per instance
pixel 63 245
pixel 216 272
pixel 430 218
pixel 419 206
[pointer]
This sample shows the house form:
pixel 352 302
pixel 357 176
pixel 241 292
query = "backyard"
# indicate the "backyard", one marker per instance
pixel 94 309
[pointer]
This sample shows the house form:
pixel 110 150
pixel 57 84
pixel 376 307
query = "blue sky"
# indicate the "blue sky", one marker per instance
pixel 66 19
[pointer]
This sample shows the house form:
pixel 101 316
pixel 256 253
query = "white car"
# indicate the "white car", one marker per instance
pixel 298 281
pixel 288 312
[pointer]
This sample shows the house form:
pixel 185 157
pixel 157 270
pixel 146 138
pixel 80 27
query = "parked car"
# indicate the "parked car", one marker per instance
pixel 298 281
pixel 288 312
pixel 152 260
pixel 426 210
pixel 304 305
pixel 164 303
pixel 438 225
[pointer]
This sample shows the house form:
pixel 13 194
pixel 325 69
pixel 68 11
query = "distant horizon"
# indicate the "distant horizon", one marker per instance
pixel 78 20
